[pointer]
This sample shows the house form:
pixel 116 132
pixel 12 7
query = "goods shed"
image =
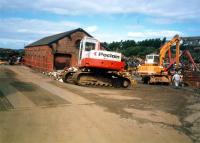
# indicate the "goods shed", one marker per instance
pixel 55 52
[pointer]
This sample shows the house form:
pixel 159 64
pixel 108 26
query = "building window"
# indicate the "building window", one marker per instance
pixel 77 43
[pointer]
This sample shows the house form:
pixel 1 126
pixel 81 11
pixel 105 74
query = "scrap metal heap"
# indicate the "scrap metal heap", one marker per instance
pixel 192 78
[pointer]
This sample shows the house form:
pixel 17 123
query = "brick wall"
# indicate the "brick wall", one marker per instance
pixel 68 45
pixel 39 57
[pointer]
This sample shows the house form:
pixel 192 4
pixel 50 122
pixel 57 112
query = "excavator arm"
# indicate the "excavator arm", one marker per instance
pixel 188 55
pixel 166 47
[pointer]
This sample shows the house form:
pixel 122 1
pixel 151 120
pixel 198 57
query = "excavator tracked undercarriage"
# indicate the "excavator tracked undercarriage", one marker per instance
pixel 101 79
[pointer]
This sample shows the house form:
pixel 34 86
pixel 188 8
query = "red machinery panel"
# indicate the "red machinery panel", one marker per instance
pixel 102 64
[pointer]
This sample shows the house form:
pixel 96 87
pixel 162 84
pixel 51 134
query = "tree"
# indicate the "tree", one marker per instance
pixel 141 48
pixel 163 40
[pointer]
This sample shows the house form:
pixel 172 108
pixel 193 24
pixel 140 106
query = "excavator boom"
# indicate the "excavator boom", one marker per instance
pixel 166 47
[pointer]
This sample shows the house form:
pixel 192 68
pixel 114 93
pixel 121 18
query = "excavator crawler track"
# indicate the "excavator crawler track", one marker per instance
pixel 67 77
pixel 96 79
pixel 91 79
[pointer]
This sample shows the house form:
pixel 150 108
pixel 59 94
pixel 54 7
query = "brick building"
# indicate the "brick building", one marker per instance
pixel 55 52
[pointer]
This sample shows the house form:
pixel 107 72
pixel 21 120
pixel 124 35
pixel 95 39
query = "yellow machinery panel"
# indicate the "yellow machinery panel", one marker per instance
pixel 150 69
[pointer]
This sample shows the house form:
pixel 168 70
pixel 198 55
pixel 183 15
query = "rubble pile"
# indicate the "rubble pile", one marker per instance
pixel 57 75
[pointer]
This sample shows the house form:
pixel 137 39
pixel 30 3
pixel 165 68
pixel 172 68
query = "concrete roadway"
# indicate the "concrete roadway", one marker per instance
pixel 37 109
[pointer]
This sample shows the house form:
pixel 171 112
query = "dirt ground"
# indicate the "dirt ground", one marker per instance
pixel 37 109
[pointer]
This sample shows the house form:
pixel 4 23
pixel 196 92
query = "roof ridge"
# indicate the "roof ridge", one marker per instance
pixel 53 38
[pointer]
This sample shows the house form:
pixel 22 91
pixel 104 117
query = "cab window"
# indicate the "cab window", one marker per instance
pixel 150 57
pixel 156 59
pixel 89 46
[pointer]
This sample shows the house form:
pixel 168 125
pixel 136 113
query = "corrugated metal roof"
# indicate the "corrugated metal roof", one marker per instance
pixel 54 38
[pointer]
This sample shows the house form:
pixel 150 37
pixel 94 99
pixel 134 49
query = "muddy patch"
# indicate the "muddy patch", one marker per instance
pixel 6 73
pixel 5 105
pixel 38 95
pixel 150 98
pixel 156 116
pixel 24 86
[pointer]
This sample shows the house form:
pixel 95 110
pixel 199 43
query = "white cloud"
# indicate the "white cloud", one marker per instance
pixel 179 9
pixel 13 43
pixel 91 29
pixel 153 34
pixel 135 27
pixel 36 26
pixel 20 32
pixel 7 40
pixel 157 20
pixel 27 30
pixel 110 37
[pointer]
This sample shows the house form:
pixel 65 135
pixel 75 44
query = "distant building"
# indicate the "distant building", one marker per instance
pixel 197 48
pixel 55 52
pixel 191 41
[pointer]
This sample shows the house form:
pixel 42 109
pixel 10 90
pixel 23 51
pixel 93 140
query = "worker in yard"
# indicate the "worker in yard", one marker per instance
pixel 176 79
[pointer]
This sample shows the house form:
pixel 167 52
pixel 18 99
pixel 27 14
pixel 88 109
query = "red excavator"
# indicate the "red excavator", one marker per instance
pixel 98 67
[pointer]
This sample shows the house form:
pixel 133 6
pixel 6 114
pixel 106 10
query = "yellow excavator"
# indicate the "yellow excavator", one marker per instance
pixel 153 70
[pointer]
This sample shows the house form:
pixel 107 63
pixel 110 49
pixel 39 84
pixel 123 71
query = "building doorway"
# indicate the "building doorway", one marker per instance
pixel 62 61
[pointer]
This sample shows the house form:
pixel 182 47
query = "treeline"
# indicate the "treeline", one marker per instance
pixel 133 48
pixel 5 53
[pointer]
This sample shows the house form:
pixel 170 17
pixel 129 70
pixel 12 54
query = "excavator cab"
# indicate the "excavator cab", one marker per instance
pixel 152 59
pixel 87 44
pixel 91 56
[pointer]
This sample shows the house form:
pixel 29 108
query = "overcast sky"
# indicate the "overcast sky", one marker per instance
pixel 23 21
